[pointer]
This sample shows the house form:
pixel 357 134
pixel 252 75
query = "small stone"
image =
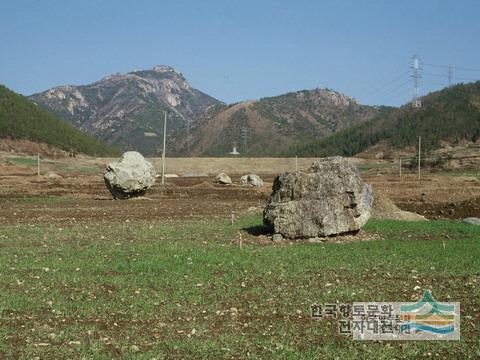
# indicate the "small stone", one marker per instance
pixel 52 176
pixel 472 221
pixel 134 348
pixel 277 238
pixel 252 180
pixel 223 179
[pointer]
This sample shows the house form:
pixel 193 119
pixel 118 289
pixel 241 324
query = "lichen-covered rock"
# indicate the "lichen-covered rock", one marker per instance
pixel 330 199
pixel 251 179
pixel 130 176
pixel 223 179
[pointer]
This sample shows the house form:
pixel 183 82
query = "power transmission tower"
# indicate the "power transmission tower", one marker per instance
pixel 416 102
pixel 245 139
pixel 450 75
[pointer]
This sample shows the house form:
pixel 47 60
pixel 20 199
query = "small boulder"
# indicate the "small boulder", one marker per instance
pixel 252 180
pixel 131 176
pixel 472 221
pixel 244 180
pixel 330 199
pixel 50 175
pixel 223 178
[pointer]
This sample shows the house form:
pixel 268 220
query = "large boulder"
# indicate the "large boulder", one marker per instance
pixel 251 179
pixel 130 176
pixel 223 179
pixel 329 199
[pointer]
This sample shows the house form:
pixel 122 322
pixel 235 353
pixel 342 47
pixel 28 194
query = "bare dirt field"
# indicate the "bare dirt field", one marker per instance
pixel 75 191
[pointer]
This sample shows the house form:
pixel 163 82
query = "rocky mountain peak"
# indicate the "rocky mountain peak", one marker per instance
pixel 121 108
pixel 166 69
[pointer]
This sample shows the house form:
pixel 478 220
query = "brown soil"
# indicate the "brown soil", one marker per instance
pixel 83 197
pixel 31 148
pixel 435 196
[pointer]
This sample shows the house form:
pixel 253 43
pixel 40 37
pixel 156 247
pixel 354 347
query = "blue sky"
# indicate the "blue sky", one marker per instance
pixel 238 50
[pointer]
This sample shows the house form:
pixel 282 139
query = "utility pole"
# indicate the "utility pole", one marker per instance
pixel 416 102
pixel 419 155
pixel 164 142
pixel 38 164
pixel 400 167
pixel 450 75
pixel 188 137
pixel 245 139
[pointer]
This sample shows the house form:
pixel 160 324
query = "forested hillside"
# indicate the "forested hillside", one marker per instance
pixel 452 114
pixel 22 119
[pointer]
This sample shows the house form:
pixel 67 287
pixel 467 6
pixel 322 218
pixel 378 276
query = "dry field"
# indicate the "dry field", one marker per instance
pixel 449 195
pixel 189 272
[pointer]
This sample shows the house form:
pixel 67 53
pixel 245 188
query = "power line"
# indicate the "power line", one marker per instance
pixel 433 74
pixel 467 79
pixel 396 94
pixel 454 67
pixel 392 81
pixel 450 75
pixel 434 83
pixel 392 91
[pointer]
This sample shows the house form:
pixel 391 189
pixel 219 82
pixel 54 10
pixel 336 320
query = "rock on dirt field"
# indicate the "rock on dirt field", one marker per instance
pixel 252 180
pixel 131 176
pixel 472 221
pixel 330 199
pixel 223 178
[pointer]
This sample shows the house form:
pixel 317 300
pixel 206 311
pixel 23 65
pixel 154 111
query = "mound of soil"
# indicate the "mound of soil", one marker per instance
pixel 446 210
pixel 385 209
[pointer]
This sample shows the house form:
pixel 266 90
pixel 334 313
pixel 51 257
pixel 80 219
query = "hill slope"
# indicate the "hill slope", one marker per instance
pixel 22 119
pixel 127 110
pixel 452 114
pixel 272 124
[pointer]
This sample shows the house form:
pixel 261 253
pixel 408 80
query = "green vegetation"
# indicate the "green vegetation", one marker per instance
pixel 452 114
pixel 22 119
pixel 185 289
pixel 24 161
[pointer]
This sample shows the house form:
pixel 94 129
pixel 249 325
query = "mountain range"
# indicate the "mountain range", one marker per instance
pixel 451 115
pixel 269 126
pixel 126 111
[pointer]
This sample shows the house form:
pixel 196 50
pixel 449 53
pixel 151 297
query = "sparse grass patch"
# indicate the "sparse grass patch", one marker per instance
pixel 23 161
pixel 68 169
pixel 184 289
pixel 471 173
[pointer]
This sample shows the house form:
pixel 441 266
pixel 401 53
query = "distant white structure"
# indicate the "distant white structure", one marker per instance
pixel 234 151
